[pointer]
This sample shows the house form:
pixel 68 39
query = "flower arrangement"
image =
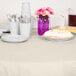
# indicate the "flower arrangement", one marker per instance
pixel 45 11
pixel 43 19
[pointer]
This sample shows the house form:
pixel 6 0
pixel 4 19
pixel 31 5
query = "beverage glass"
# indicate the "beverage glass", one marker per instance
pixel 72 17
pixel 26 11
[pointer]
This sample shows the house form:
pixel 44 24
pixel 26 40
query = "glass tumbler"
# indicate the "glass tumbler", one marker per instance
pixel 72 17
pixel 26 11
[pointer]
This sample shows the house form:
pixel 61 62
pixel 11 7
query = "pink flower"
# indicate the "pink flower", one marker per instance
pixel 40 11
pixel 50 10
pixel 44 11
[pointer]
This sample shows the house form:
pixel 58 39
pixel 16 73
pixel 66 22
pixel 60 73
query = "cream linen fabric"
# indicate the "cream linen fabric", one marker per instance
pixel 38 57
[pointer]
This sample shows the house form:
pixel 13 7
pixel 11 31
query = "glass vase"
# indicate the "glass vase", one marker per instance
pixel 43 24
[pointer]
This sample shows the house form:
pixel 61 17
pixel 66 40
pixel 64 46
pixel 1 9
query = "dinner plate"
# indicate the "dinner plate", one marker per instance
pixel 13 38
pixel 57 39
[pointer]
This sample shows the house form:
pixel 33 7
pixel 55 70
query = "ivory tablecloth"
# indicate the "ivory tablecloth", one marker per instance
pixel 37 57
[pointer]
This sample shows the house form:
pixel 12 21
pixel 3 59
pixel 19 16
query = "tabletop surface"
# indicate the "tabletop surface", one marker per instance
pixel 38 50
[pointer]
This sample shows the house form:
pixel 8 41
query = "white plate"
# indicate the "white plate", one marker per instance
pixel 13 38
pixel 57 39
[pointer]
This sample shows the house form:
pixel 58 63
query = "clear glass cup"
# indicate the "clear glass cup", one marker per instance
pixel 26 11
pixel 25 29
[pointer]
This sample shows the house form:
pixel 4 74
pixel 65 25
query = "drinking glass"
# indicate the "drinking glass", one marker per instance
pixel 26 11
pixel 72 17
